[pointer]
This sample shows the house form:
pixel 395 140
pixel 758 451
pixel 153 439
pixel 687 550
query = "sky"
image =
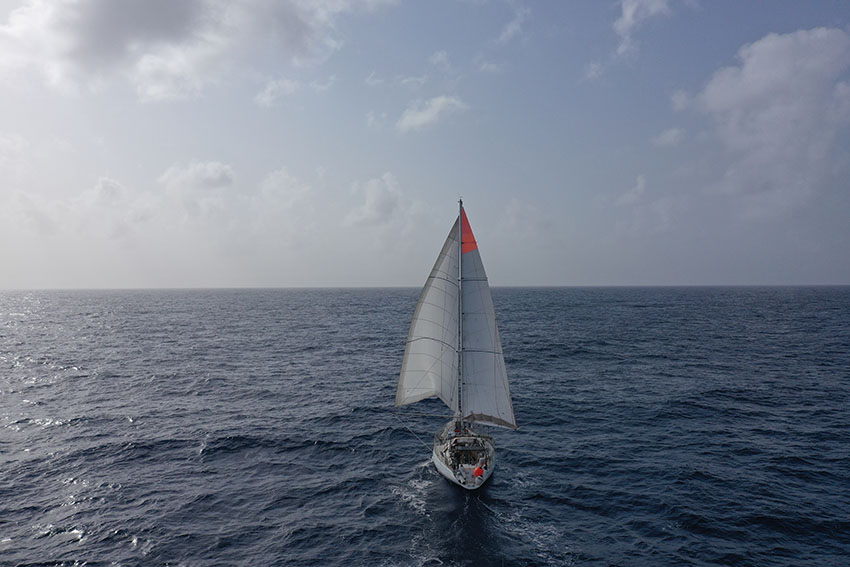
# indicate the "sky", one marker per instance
pixel 325 143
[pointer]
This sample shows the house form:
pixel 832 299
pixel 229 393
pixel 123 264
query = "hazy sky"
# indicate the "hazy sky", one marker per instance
pixel 155 143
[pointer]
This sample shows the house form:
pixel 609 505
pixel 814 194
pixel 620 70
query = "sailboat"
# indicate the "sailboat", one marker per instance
pixel 454 353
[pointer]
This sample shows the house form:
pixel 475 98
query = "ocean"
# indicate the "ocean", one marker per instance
pixel 658 426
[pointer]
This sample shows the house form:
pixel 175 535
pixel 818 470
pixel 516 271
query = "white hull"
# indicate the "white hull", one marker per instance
pixel 463 456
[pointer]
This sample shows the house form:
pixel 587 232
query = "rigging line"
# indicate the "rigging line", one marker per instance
pixel 409 429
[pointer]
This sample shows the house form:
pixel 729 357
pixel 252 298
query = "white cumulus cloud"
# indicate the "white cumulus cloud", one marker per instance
pixel 633 14
pixel 166 49
pixel 275 90
pixel 421 114
pixel 514 27
pixel 381 202
pixel 778 113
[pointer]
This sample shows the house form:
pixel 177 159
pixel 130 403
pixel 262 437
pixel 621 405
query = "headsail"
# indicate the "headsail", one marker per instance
pixel 430 357
pixel 485 397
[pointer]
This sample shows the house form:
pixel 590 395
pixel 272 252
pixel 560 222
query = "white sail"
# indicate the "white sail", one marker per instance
pixel 485 395
pixel 430 360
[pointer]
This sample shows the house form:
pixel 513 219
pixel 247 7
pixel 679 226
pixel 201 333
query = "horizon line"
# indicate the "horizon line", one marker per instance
pixel 344 287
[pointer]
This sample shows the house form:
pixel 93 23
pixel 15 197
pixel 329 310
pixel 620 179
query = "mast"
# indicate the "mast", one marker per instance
pixel 460 307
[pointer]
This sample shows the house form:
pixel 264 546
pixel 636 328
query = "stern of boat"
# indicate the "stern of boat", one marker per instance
pixel 463 456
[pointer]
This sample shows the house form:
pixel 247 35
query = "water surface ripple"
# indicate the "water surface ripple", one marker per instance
pixel 658 426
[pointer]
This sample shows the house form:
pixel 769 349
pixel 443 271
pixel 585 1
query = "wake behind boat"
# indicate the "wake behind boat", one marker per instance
pixel 453 352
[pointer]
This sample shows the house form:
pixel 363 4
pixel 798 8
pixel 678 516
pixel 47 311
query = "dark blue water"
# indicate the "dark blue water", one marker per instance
pixel 678 426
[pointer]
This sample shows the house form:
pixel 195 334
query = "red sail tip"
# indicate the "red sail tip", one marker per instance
pixel 468 243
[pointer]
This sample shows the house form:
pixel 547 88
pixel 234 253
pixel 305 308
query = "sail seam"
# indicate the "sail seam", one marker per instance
pixel 445 279
pixel 431 339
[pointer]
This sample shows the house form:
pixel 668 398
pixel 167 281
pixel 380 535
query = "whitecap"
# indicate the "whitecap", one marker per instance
pixel 421 484
pixel 411 498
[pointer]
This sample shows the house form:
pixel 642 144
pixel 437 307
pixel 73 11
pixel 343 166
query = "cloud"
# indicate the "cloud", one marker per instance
pixel 514 28
pixel 528 222
pixel 656 216
pixel 645 214
pixel 208 174
pixel 176 72
pixel 412 83
pixel 162 47
pixel 669 138
pixel 240 221
pixel 324 87
pixel 593 70
pixel 383 219
pixel 283 211
pixel 284 189
pixel 375 120
pixel 198 231
pixel 166 49
pixel 110 211
pixel 197 190
pixel 633 14
pixel 777 113
pixel 66 38
pixel 440 59
pixel 12 147
pixel 275 90
pixel 107 212
pixel 373 80
pixel 680 100
pixel 108 191
pixel 842 101
pixel 490 67
pixel 421 114
pixel 634 194
pixel 42 216
pixel 381 202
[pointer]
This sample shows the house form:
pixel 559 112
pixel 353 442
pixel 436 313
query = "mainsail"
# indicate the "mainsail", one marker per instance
pixel 430 358
pixel 430 366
